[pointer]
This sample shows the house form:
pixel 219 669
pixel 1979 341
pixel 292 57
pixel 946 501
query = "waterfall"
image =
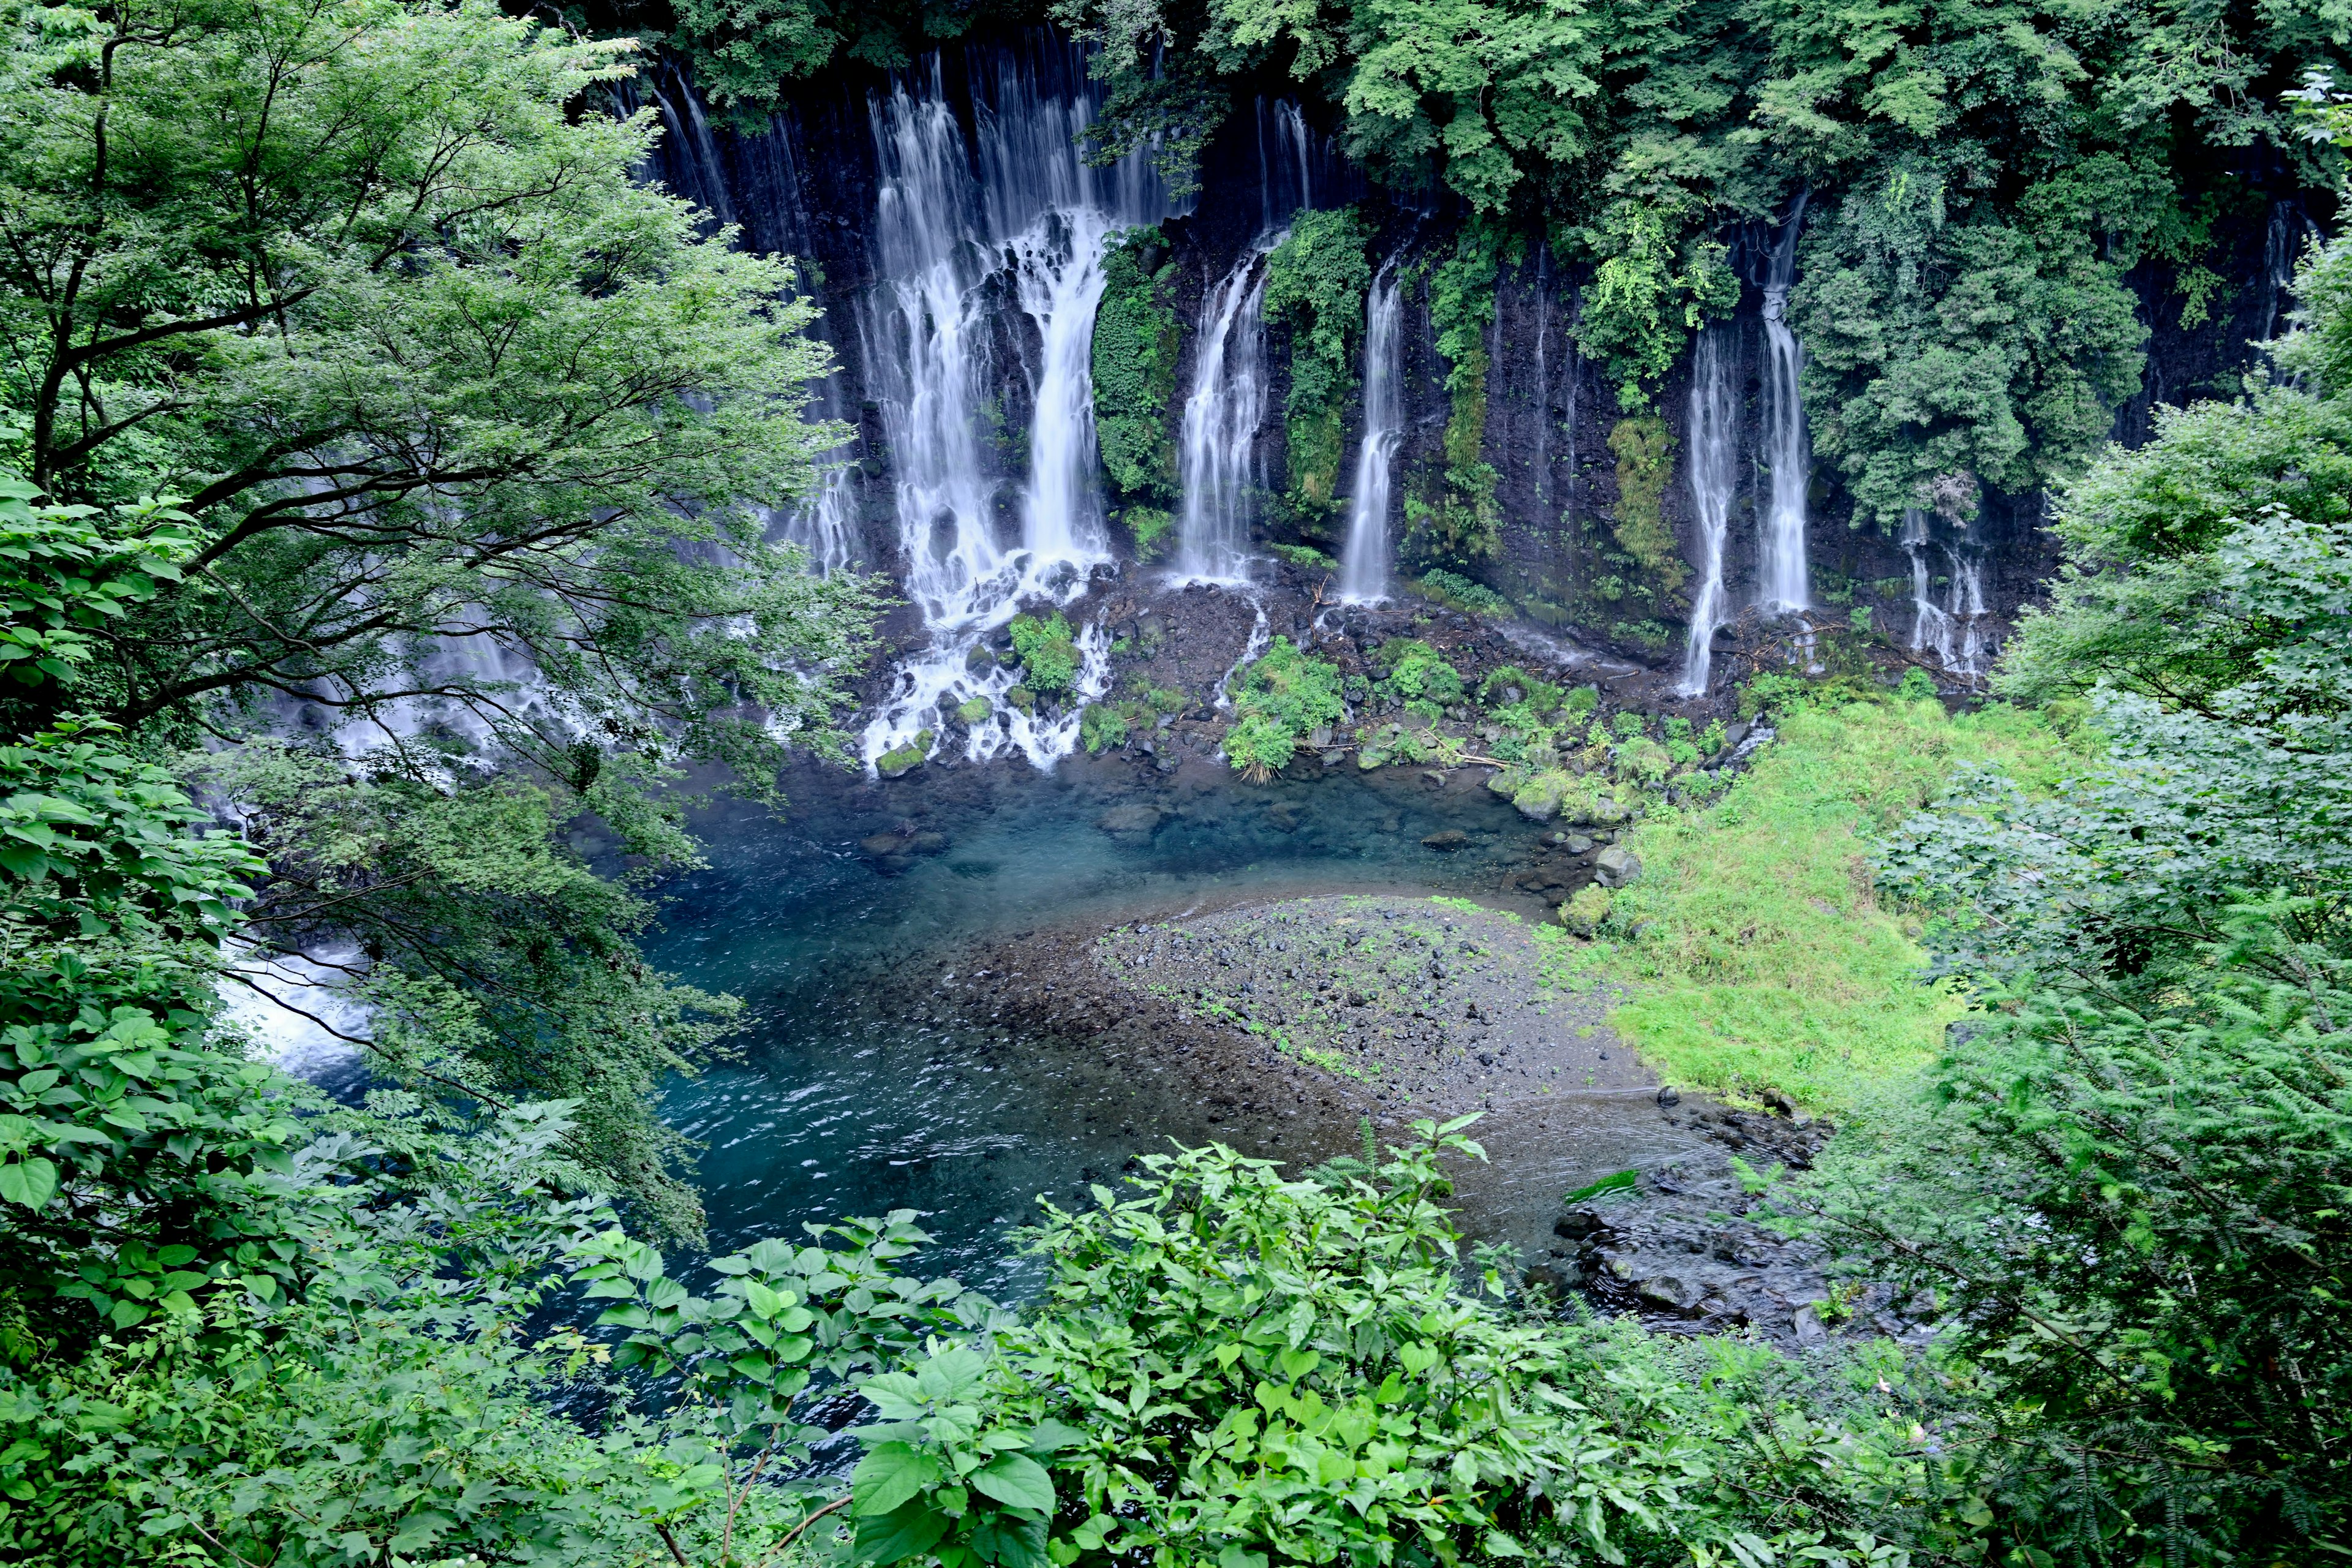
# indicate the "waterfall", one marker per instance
pixel 1286 154
pixel 1364 560
pixel 961 223
pixel 1954 631
pixel 1781 581
pixel 1543 370
pixel 1714 460
pixel 1216 460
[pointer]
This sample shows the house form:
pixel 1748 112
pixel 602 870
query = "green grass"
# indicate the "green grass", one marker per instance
pixel 1768 962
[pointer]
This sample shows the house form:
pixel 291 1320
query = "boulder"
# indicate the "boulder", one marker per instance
pixel 1585 909
pixel 1606 813
pixel 1368 761
pixel 883 844
pixel 974 710
pixel 1448 839
pixel 905 760
pixel 1670 1291
pixel 1617 866
pixel 1139 820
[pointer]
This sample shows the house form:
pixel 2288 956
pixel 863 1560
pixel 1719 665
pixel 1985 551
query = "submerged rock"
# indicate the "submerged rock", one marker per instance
pixel 1137 821
pixel 1450 839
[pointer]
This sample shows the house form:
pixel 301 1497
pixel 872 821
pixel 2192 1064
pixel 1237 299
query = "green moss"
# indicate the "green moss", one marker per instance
pixel 1451 588
pixel 1305 557
pixel 1135 344
pixel 1766 962
pixel 1049 655
pixel 1149 527
pixel 1461 525
pixel 1102 726
pixel 1645 448
pixel 1316 281
pixel 973 710
pixel 1586 908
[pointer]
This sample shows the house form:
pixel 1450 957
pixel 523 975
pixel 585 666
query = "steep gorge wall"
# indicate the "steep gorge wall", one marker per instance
pixel 1580 525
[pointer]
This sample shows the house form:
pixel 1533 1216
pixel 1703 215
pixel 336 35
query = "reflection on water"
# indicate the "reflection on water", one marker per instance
pixel 860 1089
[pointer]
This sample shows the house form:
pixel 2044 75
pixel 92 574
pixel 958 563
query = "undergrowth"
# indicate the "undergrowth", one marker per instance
pixel 1758 956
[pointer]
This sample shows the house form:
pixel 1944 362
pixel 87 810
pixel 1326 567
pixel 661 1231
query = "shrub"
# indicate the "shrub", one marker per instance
pixel 1049 655
pixel 1277 701
pixel 1416 669
pixel 1102 726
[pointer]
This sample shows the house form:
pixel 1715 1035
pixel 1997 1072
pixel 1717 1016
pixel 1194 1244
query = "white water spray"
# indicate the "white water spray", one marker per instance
pixel 1782 580
pixel 1956 630
pixel 1714 460
pixel 1216 458
pixel 1364 559
pixel 1017 203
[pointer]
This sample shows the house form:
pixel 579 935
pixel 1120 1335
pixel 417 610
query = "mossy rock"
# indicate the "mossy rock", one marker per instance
pixel 974 709
pixel 902 762
pixel 1368 761
pixel 1586 908
pixel 1021 697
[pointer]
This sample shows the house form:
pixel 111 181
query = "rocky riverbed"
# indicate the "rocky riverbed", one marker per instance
pixel 1286 1022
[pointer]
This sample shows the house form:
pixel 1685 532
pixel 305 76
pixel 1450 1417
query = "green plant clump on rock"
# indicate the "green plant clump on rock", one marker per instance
pixel 1316 281
pixel 1048 652
pixel 1279 701
pixel 1135 344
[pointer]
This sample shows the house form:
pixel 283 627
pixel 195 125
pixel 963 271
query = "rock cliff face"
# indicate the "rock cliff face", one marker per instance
pixel 1603 539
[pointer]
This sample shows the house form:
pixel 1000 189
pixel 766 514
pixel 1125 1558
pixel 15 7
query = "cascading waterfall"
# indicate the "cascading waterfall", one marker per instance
pixel 1285 157
pixel 1782 579
pixel 1543 371
pixel 1955 630
pixel 1364 560
pixel 1714 472
pixel 1216 458
pixel 1017 203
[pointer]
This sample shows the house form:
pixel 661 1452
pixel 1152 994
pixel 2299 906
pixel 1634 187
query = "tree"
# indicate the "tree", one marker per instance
pixel 440 387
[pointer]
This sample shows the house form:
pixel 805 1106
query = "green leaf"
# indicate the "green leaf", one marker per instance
pixel 1016 1480
pixel 914 1527
pixel 889 1477
pixel 30 1182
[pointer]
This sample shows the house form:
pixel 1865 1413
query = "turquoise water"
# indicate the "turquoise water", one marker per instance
pixel 859 1089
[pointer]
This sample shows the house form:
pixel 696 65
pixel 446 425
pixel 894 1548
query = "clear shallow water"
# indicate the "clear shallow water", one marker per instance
pixel 860 1089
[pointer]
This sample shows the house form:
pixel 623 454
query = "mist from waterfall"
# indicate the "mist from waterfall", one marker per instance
pixel 1954 631
pixel 961 221
pixel 1714 443
pixel 1782 582
pixel 1216 454
pixel 1364 559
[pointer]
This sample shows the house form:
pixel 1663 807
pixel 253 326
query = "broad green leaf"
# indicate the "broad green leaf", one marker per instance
pixel 1016 1480
pixel 889 1475
pixel 912 1527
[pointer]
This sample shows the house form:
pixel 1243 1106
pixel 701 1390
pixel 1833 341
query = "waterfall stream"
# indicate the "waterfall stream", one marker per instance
pixel 959 224
pixel 1954 631
pixel 1216 458
pixel 1364 559
pixel 1713 468
pixel 1781 581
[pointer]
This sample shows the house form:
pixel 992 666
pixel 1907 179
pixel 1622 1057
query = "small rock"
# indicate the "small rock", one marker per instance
pixel 1333 758
pixel 1668 1095
pixel 1807 1324
pixel 1448 840
pixel 1617 866
pixel 1669 1290
pixel 1577 843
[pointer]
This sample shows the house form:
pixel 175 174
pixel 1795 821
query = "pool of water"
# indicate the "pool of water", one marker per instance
pixel 857 1092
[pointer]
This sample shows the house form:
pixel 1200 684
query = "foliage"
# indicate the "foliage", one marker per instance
pixel 1411 670
pixel 1278 700
pixel 2137 1215
pixel 1461 527
pixel 1135 344
pixel 1644 449
pixel 1149 527
pixel 496 963
pixel 1459 592
pixel 1047 651
pixel 1645 300
pixel 424 361
pixel 1306 557
pixel 1316 281
pixel 1770 960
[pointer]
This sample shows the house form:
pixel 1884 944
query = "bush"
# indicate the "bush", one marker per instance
pixel 1135 344
pixel 1278 700
pixel 1102 726
pixel 1048 654
pixel 1415 669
